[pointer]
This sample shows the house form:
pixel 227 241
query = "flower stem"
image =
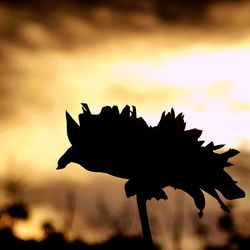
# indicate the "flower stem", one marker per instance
pixel 141 203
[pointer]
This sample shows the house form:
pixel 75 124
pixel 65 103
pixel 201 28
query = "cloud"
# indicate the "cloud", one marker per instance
pixel 145 95
pixel 19 99
pixel 43 23
pixel 171 11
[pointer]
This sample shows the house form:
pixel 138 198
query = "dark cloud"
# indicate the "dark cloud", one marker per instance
pixel 171 10
pixel 100 15
pixel 45 24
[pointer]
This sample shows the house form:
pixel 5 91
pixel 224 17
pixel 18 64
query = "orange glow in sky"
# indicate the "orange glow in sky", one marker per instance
pixel 209 84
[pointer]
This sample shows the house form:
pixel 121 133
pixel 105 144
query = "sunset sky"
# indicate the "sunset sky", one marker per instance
pixel 53 61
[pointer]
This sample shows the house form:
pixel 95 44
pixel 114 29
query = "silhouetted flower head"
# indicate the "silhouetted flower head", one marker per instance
pixel 150 157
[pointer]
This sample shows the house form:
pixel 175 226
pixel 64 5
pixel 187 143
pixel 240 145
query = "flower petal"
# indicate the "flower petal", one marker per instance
pixel 197 196
pixel 73 129
pixel 213 193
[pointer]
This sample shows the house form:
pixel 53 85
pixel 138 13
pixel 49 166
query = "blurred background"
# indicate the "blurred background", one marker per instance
pixel 189 55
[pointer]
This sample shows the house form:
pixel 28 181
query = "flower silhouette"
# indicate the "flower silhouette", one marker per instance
pixel 150 157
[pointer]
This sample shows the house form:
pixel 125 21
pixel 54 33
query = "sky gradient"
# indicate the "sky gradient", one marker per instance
pixel 53 62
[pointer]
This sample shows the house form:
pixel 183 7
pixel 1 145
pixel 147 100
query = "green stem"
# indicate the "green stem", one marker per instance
pixel 141 203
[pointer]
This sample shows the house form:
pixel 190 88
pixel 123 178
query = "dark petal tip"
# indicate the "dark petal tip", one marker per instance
pixel 200 214
pixel 85 108
pixel 226 209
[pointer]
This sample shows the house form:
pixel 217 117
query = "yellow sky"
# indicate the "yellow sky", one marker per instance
pixel 209 83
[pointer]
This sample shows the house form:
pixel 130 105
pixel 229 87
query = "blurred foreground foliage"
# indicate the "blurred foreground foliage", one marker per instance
pixel 54 239
pixel 11 213
pixel 235 240
pixel 16 209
